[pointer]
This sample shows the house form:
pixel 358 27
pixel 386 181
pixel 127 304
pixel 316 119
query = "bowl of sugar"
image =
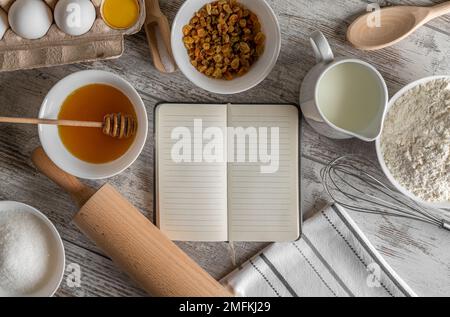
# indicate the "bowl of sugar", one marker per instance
pixel 32 257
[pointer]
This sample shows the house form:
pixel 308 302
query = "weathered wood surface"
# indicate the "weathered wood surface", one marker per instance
pixel 420 253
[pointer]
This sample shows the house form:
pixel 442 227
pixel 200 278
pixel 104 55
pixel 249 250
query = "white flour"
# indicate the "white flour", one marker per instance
pixel 416 141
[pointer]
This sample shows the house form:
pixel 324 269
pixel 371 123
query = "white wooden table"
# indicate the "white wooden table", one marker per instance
pixel 420 253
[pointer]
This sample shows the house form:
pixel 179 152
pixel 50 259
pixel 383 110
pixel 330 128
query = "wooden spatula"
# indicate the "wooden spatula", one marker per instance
pixel 158 36
pixel 131 240
pixel 396 23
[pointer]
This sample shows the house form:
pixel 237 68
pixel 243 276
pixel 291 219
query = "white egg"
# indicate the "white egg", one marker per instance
pixel 30 19
pixel 75 17
pixel 4 25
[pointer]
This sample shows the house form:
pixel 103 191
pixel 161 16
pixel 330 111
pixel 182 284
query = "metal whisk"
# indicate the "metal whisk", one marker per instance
pixel 363 191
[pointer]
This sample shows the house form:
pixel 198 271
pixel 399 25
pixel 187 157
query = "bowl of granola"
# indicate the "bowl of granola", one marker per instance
pixel 226 46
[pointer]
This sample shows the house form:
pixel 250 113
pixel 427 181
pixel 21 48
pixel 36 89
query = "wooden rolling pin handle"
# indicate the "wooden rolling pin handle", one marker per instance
pixel 79 192
pixel 131 240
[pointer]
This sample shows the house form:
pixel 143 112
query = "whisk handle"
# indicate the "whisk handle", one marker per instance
pixel 446 225
pixel 69 123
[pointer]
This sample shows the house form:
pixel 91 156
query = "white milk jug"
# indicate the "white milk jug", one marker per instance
pixel 343 98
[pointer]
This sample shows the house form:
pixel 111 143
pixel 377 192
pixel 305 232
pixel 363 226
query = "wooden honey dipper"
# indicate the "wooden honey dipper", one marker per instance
pixel 114 125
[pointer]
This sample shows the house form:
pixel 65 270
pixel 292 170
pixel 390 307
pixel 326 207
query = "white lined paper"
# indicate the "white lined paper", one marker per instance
pixel 264 207
pixel 191 196
pixel 202 201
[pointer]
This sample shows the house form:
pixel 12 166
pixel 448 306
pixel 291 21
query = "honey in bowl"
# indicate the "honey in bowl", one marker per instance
pixel 92 103
pixel 120 14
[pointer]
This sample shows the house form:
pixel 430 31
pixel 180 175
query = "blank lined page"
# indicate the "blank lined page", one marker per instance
pixel 264 206
pixel 191 196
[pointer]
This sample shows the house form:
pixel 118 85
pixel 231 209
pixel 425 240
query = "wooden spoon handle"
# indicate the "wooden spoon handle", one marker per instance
pixel 70 123
pixel 79 192
pixel 440 9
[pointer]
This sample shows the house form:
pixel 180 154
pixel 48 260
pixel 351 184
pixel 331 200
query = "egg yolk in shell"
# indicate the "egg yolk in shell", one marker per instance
pixel 120 14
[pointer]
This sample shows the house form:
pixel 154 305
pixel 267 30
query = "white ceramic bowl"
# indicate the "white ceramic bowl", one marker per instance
pixel 257 73
pixel 441 205
pixel 52 143
pixel 58 253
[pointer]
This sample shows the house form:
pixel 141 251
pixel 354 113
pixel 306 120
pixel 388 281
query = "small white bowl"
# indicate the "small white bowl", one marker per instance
pixel 387 172
pixel 52 143
pixel 258 71
pixel 58 253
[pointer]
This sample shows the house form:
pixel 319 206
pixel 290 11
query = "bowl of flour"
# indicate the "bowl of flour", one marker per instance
pixel 414 147
pixel 32 259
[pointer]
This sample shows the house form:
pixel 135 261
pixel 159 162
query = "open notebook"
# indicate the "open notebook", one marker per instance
pixel 247 189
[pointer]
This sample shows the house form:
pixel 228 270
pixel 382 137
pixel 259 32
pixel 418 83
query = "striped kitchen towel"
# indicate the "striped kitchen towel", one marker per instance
pixel 333 258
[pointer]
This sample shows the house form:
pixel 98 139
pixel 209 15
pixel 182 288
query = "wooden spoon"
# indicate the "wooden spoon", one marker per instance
pixel 114 125
pixel 396 23
pixel 158 36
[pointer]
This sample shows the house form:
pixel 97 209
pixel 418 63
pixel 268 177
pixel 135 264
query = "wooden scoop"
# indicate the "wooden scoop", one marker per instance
pixel 158 36
pixel 131 240
pixel 115 125
pixel 395 24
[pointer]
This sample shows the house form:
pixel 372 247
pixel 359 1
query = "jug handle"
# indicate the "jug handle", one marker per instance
pixel 321 48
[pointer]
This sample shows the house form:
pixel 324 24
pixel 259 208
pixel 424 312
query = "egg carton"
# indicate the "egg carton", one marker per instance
pixel 58 48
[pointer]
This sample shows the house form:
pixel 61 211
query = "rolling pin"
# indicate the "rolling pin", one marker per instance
pixel 138 247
